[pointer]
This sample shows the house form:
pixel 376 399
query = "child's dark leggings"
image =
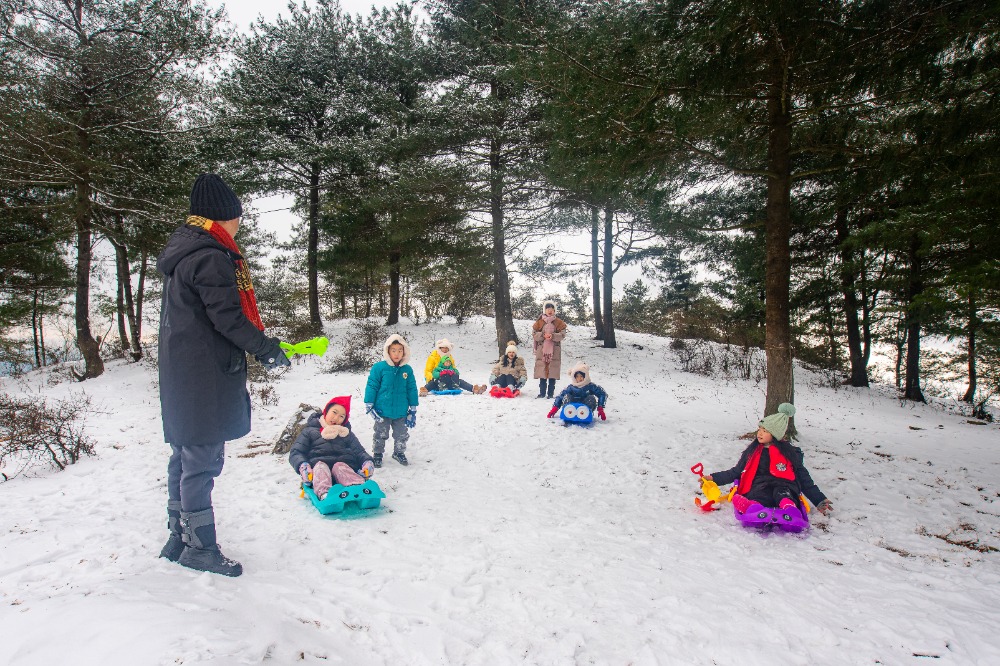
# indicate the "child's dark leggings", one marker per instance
pixel 503 381
pixel 771 495
pixel 446 385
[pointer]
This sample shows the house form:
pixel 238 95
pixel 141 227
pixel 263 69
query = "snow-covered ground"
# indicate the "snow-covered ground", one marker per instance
pixel 513 540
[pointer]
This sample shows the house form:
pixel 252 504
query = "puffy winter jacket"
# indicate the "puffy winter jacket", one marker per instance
pixel 392 388
pixel 204 338
pixel 579 393
pixel 310 447
pixel 794 454
pixel 432 362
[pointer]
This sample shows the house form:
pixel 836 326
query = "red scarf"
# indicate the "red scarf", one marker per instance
pixel 780 467
pixel 248 301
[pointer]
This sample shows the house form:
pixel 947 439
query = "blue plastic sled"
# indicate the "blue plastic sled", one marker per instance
pixel 576 413
pixel 367 495
pixel 448 392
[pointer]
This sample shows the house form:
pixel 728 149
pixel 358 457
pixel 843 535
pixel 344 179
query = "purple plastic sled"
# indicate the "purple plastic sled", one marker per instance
pixel 757 515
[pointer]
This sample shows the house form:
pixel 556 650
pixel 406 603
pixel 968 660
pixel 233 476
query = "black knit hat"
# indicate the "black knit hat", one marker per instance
pixel 211 198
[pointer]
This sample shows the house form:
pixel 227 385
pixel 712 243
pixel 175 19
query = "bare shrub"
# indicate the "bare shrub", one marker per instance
pixel 713 360
pixel 33 432
pixel 361 347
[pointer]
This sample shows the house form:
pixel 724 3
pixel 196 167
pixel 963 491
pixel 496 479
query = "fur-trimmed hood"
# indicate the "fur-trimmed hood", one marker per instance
pixel 395 337
pixel 444 342
pixel 579 367
pixel 549 302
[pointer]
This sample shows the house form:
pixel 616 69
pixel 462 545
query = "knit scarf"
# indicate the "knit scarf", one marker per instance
pixel 548 347
pixel 248 301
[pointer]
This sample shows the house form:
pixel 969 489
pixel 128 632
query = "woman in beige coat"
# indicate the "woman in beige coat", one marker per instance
pixel 548 333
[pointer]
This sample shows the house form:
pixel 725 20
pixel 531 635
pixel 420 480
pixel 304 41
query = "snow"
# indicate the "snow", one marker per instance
pixel 513 540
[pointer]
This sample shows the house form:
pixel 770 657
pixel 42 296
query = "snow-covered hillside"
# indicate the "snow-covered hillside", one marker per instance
pixel 512 540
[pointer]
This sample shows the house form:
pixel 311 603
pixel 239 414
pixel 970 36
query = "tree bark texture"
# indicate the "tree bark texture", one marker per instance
pixel 312 251
pixel 395 256
pixel 778 225
pixel 610 341
pixel 503 312
pixel 595 269
pixel 859 362
pixel 88 346
pixel 914 289
pixel 970 394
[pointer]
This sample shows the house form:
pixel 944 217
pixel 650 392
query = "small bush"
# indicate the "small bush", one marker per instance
pixel 33 432
pixel 712 360
pixel 362 347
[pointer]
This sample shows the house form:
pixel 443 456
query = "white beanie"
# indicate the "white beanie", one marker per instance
pixel 511 347
pixel 443 342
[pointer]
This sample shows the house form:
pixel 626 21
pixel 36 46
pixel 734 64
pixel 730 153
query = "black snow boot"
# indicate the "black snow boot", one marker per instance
pixel 552 388
pixel 377 459
pixel 201 551
pixel 541 388
pixel 400 457
pixel 175 542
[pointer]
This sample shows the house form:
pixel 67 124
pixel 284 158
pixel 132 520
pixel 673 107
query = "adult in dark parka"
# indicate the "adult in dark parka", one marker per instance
pixel 208 323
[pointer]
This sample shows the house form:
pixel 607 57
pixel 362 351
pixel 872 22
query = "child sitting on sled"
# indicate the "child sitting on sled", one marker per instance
pixel 509 373
pixel 583 391
pixel 771 472
pixel 450 380
pixel 327 449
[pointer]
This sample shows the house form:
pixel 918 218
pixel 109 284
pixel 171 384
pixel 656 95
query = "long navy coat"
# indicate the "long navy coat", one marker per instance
pixel 310 447
pixel 204 337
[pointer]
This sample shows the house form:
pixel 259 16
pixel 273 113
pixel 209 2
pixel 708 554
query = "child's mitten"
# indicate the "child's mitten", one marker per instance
pixel 552 412
pixel 370 409
pixel 368 469
pixel 304 471
pixel 411 417
pixel 600 412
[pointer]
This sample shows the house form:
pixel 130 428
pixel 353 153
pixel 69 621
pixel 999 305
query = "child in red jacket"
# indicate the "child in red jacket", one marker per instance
pixel 770 471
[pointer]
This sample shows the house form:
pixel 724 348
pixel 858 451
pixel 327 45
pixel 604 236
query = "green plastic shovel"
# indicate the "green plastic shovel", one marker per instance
pixel 316 346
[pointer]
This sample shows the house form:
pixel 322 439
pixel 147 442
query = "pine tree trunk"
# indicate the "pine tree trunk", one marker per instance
pixel 595 269
pixel 140 292
pixel 41 331
pixel 503 312
pixel 394 259
pixel 970 394
pixel 610 342
pixel 777 332
pixel 34 328
pixel 88 346
pixel 859 364
pixel 312 251
pixel 122 275
pixel 914 289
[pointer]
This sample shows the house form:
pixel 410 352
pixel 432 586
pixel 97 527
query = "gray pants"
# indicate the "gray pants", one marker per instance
pixel 191 474
pixel 399 435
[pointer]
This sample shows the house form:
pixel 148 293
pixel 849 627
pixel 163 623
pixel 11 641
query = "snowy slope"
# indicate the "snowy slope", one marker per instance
pixel 511 539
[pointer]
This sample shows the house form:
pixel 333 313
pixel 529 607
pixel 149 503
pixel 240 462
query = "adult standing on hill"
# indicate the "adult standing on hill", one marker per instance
pixel 548 333
pixel 208 323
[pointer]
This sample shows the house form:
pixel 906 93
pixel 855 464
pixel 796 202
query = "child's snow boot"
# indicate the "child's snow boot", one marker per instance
pixel 201 551
pixel 541 389
pixel 423 392
pixel 400 457
pixel 175 542
pixel 377 459
pixel 552 387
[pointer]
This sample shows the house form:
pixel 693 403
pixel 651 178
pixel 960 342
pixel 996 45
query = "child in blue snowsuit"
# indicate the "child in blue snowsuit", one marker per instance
pixel 583 391
pixel 391 399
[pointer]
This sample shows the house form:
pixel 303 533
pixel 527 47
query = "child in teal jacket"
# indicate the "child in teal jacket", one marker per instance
pixel 391 399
